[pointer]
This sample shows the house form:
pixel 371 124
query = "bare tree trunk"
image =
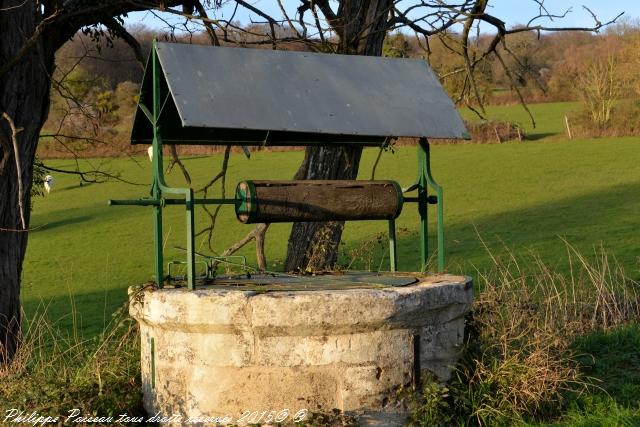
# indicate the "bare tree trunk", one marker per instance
pixel 314 245
pixel 361 25
pixel 24 97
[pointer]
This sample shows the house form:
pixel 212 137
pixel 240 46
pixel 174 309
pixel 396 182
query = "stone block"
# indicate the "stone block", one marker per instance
pixel 219 353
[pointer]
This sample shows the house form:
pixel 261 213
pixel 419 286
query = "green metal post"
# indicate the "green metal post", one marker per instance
pixel 441 250
pixel 170 202
pixel 191 255
pixel 426 178
pixel 157 168
pixel 393 254
pixel 160 187
pixel 422 204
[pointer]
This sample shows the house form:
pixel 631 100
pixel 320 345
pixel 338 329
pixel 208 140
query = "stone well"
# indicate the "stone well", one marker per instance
pixel 222 351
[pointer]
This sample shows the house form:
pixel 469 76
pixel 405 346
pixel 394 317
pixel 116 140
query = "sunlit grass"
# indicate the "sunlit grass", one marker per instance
pixel 525 198
pixel 526 195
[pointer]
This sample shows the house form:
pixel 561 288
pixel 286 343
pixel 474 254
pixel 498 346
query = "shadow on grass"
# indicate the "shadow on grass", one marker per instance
pixel 73 187
pixel 613 358
pixel 608 218
pixel 534 136
pixel 63 222
pixel 84 313
pixel 189 158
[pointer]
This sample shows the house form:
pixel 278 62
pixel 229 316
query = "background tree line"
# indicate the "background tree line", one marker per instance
pixel 97 81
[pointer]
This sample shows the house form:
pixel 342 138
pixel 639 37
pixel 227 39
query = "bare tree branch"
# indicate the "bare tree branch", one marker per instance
pixel 6 149
pixel 175 160
pixel 478 9
pixel 221 176
pixel 258 233
pixel 122 32
pixel 272 22
pixel 92 176
pixel 14 139
pixel 515 87
pixel 286 16
pixel 207 24
pixel 28 45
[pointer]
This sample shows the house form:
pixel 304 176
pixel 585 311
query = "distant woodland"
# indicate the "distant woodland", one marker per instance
pixel 97 79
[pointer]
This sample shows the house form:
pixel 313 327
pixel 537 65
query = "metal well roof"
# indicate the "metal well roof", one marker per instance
pixel 243 93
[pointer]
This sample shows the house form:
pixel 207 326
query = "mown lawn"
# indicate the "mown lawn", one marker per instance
pixel 549 118
pixel 528 198
pixel 525 197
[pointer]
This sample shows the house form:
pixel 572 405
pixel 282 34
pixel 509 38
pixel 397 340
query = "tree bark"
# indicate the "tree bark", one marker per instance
pixel 30 34
pixel 306 200
pixel 24 97
pixel 313 246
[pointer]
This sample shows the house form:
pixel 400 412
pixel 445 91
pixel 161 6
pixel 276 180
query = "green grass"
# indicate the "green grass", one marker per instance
pixel 612 359
pixel 526 196
pixel 549 117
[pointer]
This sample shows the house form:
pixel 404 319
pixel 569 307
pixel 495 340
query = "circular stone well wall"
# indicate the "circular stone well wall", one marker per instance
pixel 219 352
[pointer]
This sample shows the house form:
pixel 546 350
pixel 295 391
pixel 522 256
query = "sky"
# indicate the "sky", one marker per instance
pixel 513 12
pixel 519 11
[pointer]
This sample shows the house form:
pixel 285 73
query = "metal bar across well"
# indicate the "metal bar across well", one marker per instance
pixel 154 202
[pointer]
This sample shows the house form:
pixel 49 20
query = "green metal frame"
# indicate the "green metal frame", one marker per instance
pixel 422 184
pixel 210 263
pixel 425 180
pixel 159 189
pixel 159 186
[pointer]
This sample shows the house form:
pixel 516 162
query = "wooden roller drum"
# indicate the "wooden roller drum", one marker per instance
pixel 308 201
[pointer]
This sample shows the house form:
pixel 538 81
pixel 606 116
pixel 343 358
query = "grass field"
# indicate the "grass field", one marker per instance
pixel 528 198
pixel 549 118
pixel 523 196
